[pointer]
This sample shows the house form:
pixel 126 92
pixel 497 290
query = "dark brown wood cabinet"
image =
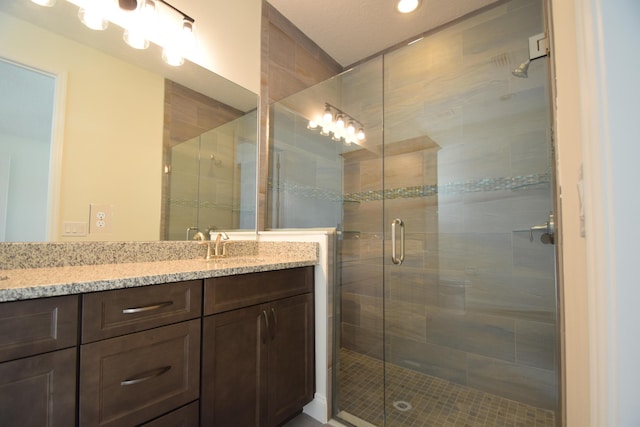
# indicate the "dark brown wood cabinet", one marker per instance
pixel 38 348
pixel 147 357
pixel 258 357
pixel 131 379
pixel 37 326
pixel 39 390
pixel 149 363
pixel 187 416
pixel 123 311
pixel 291 357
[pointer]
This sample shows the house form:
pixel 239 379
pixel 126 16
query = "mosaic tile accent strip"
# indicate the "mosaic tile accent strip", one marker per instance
pixel 481 185
pixel 514 183
pixel 306 191
pixel 433 402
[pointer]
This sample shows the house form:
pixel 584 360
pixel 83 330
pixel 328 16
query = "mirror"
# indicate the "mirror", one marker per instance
pixel 116 147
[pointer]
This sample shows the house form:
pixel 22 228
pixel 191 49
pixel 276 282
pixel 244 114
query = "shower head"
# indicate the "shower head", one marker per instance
pixel 521 71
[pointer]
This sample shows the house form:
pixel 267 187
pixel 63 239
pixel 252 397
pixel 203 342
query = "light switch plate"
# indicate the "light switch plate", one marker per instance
pixel 74 229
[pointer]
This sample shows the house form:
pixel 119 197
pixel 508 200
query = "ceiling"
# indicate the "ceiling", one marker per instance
pixel 350 31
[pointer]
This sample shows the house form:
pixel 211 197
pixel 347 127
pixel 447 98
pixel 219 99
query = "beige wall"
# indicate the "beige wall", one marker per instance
pixel 112 136
pixel 227 37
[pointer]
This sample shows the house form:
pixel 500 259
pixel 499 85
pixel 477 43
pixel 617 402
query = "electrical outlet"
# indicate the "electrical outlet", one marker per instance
pixel 100 218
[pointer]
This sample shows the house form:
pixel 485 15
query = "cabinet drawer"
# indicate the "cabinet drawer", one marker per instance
pixel 187 416
pixel 37 326
pixel 231 292
pixel 132 379
pixel 39 390
pixel 123 311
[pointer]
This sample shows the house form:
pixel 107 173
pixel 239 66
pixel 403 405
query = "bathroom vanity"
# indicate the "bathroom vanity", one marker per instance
pixel 230 344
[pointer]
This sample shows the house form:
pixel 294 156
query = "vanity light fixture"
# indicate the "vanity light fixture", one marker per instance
pixel 337 129
pixel 173 52
pixel 142 22
pixel 407 6
pixel 45 3
pixel 92 15
pixel 328 115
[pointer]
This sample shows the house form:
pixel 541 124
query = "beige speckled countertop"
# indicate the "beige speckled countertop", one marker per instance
pixel 29 283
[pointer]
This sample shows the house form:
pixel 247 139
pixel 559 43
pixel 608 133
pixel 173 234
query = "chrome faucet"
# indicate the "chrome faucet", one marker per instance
pixel 219 238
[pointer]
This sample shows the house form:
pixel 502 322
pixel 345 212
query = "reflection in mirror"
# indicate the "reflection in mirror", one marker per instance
pixel 210 165
pixel 26 109
pixel 110 124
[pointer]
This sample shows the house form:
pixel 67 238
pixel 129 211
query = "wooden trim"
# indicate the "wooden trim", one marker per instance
pixel 598 205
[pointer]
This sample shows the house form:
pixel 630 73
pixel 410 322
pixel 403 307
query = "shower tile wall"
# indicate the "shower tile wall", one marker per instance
pixel 212 181
pixel 474 302
pixel 187 114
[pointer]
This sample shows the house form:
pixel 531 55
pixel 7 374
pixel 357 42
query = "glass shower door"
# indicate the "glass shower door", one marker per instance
pixel 470 317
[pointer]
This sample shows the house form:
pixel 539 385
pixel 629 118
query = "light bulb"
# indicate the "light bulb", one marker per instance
pixel 141 25
pixel 325 131
pixel 407 6
pixel 340 121
pixel 312 124
pixel 328 116
pixel 360 135
pixel 172 56
pixel 92 16
pixel 45 3
pixel 135 38
pixel 188 37
pixel 351 129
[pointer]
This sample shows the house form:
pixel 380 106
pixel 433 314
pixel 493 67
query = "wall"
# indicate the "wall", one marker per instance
pixel 605 285
pixel 105 156
pixel 187 115
pixel 620 34
pixel 227 38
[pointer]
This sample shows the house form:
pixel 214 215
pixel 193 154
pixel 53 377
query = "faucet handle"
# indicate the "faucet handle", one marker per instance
pixel 221 236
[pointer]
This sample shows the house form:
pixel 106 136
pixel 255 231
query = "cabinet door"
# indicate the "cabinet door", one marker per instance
pixel 132 379
pixel 37 326
pixel 234 367
pixel 39 391
pixel 291 357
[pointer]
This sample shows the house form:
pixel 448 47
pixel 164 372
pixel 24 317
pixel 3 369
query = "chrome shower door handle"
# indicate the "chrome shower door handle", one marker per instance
pixel 394 253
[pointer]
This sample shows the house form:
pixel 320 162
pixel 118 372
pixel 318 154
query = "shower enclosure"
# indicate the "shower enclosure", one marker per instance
pixel 445 310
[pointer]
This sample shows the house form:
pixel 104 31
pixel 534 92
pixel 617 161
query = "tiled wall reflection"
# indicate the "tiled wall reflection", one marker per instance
pixel 212 180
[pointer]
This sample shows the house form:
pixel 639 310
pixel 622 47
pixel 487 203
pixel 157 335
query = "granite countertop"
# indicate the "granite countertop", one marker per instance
pixel 29 283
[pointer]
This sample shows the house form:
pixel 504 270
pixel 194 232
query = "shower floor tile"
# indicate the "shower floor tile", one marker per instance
pixel 423 400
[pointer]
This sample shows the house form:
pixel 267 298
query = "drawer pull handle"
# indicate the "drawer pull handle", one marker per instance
pixel 146 376
pixel 158 306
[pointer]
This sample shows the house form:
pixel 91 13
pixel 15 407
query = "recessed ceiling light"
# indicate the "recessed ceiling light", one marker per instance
pixel 407 6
